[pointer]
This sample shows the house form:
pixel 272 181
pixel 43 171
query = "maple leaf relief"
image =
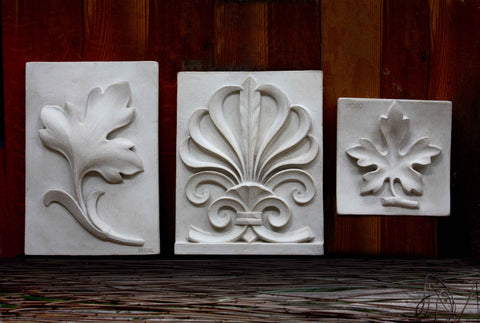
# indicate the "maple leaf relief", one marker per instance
pixel 394 163
pixel 80 134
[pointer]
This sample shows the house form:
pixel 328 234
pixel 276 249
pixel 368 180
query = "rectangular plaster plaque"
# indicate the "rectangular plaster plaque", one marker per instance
pixel 393 157
pixel 92 158
pixel 249 163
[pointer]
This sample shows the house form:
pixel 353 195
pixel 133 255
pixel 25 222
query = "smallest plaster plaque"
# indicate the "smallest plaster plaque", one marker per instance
pixel 393 157
pixel 91 158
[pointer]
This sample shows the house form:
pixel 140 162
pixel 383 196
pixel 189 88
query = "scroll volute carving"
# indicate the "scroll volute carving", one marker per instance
pixel 249 141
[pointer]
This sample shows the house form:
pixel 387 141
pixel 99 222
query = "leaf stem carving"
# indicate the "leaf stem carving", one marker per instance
pixel 397 200
pixel 72 206
pixel 80 135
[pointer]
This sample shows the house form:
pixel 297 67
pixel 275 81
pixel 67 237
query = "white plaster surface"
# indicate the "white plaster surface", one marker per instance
pixel 223 118
pixel 129 208
pixel 361 118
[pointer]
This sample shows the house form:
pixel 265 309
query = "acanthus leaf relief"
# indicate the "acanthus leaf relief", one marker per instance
pixel 80 135
pixel 249 142
pixel 394 162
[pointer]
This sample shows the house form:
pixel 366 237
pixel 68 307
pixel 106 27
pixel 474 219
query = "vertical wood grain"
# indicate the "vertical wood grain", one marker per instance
pixel 180 38
pixel 3 182
pixel 4 243
pixel 163 46
pixel 294 35
pixel 351 60
pixel 405 60
pixel 196 35
pixel 405 49
pixel 240 35
pixel 33 30
pixel 115 30
pixel 454 75
pixel 370 48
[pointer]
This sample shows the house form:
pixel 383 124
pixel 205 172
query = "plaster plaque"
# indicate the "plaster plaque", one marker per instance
pixel 92 158
pixel 393 157
pixel 249 163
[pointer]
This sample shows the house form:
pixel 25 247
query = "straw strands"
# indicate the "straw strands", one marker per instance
pixel 240 289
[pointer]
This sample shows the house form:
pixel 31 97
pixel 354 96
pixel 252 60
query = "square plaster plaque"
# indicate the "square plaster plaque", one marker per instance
pixel 393 157
pixel 92 158
pixel 249 163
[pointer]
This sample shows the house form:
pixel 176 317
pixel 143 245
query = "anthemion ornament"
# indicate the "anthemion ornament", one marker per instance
pixel 89 155
pixel 249 163
pixel 393 157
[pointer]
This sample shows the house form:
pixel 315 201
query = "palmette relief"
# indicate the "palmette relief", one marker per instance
pixel 80 135
pixel 393 162
pixel 249 141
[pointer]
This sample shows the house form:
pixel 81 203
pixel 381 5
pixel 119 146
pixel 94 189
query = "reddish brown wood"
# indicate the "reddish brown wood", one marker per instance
pixel 180 38
pixel 294 35
pixel 240 35
pixel 4 244
pixel 369 48
pixel 405 49
pixel 34 30
pixel 455 75
pixel 351 61
pixel 405 76
pixel 196 35
pixel 115 30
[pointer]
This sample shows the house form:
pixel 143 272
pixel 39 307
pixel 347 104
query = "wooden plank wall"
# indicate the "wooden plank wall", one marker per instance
pixel 422 49
pixel 413 49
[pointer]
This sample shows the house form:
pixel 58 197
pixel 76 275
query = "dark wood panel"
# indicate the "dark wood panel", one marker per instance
pixel 163 46
pixel 33 30
pixel 115 30
pixel 240 35
pixel 196 35
pixel 180 38
pixel 405 60
pixel 405 49
pixel 399 49
pixel 293 35
pixel 455 75
pixel 351 61
pixel 4 243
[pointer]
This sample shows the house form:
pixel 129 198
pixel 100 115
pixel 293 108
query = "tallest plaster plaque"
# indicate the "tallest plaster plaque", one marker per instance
pixel 249 163
pixel 91 158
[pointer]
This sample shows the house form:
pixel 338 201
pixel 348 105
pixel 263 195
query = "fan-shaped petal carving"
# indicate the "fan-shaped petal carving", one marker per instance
pixel 195 161
pixel 248 141
pixel 199 138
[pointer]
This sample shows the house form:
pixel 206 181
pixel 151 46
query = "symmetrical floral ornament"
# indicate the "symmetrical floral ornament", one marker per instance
pixel 249 141
pixel 80 135
pixel 394 163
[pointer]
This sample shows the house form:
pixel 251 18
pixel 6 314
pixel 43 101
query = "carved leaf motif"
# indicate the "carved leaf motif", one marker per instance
pixel 394 163
pixel 81 134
